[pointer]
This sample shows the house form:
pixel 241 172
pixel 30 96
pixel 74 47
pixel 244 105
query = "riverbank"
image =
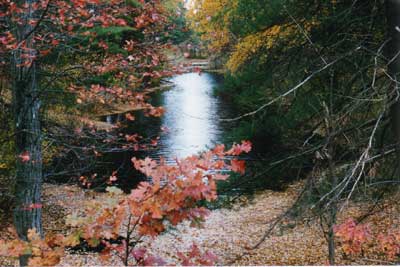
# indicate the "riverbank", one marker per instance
pixel 230 233
pixel 119 108
pixel 93 119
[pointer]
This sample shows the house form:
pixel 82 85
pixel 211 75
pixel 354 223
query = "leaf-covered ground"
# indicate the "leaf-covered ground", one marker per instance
pixel 230 233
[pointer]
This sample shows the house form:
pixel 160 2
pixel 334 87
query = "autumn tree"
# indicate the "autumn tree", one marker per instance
pixel 211 20
pixel 178 30
pixel 36 39
pixel 309 80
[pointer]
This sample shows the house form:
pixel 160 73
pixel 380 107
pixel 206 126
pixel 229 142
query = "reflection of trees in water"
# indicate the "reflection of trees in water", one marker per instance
pixel 191 119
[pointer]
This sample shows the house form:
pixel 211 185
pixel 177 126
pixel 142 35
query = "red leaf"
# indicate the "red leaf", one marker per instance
pixel 139 253
pixel 219 150
pixel 55 42
pixel 154 142
pixel 129 116
pixel 246 146
pixel 154 261
pixel 238 166
pixel 25 156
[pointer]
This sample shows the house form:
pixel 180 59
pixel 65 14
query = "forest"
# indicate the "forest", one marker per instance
pixel 199 132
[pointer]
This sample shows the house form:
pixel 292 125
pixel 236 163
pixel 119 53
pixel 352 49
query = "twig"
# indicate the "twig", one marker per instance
pixel 289 91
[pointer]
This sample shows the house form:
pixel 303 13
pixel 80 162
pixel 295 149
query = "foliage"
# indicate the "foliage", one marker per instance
pixel 107 53
pixel 111 61
pixel 259 44
pixel 354 236
pixel 178 30
pixel 7 162
pixel 275 46
pixel 171 197
pixel 210 19
pixel 308 77
pixel 45 252
pixel 82 52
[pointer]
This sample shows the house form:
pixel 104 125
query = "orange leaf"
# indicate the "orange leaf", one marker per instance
pixel 238 166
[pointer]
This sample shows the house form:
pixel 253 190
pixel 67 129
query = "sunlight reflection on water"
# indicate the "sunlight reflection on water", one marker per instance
pixel 191 116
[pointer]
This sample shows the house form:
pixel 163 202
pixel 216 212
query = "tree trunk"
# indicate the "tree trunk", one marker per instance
pixel 392 54
pixel 331 235
pixel 333 179
pixel 26 104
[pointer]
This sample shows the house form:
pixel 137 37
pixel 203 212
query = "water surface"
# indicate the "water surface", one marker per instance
pixel 190 124
pixel 192 115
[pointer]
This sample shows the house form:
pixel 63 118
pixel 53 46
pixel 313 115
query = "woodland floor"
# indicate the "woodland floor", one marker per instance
pixel 229 233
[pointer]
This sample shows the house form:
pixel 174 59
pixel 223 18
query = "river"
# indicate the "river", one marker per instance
pixel 192 116
pixel 191 122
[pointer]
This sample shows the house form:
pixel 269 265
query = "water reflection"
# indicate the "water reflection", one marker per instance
pixel 191 119
pixel 191 115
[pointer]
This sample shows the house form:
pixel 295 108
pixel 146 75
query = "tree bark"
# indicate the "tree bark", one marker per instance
pixel 26 104
pixel 393 56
